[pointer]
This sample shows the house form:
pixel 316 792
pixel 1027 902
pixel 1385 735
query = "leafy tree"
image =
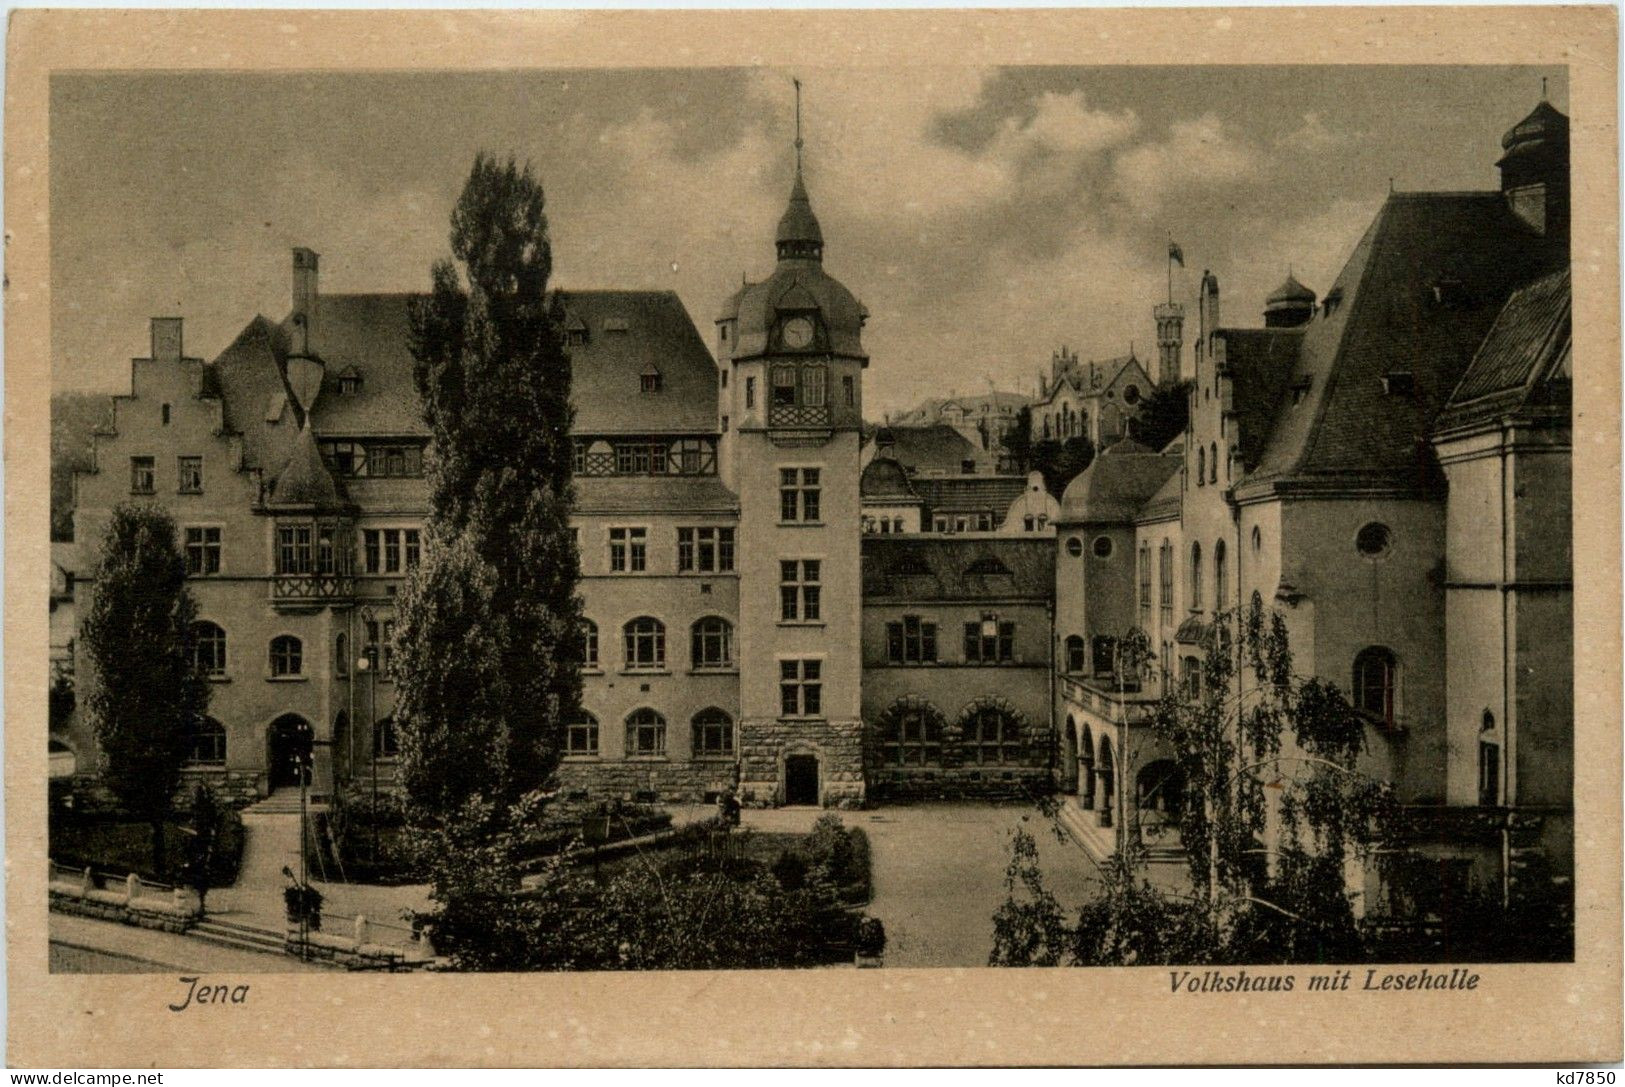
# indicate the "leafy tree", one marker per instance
pixel 1061 461
pixel 1018 442
pixel 1244 727
pixel 148 687
pixel 1162 416
pixel 488 634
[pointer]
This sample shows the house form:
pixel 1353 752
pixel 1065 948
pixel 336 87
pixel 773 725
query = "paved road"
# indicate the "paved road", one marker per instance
pixel 939 872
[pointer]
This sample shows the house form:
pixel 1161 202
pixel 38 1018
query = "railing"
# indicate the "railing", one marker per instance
pixel 310 588
pixel 798 415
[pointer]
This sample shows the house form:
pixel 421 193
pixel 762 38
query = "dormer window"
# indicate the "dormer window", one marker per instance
pixel 1449 292
pixel 349 382
pixel 653 381
pixel 1333 299
pixel 1399 383
pixel 616 324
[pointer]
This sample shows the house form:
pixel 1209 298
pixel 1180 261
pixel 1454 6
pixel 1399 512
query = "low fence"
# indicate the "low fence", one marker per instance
pixel 125 898
pixel 365 945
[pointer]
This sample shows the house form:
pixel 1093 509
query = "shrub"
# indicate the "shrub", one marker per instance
pixel 303 903
pixel 871 937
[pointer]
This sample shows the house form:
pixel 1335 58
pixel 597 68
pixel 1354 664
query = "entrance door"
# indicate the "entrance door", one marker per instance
pixel 801 780
pixel 287 747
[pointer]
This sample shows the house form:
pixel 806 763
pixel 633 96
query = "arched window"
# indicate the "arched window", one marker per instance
pixel 1196 577
pixel 206 743
pixel 209 648
pixel 581 735
pixel 992 736
pixel 589 644
pixel 713 734
pixel 911 734
pixel 1074 654
pixel 645 734
pixel 1145 585
pixel 1201 466
pixel 1160 787
pixel 712 643
pixel 1375 675
pixel 1221 578
pixel 645 643
pixel 341 656
pixel 287 656
pixel 386 741
pixel 1213 462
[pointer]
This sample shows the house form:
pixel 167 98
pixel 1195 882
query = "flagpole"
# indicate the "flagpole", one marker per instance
pixel 1170 267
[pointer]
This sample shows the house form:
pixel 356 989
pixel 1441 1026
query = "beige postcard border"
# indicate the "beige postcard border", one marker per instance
pixel 884 1017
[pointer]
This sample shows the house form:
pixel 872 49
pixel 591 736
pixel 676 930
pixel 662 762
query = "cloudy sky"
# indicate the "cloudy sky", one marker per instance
pixel 985 216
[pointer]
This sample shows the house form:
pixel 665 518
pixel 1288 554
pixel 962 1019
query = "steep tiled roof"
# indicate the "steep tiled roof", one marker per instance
pixel 969 494
pixel 654 494
pixel 1167 502
pixel 1530 338
pixel 1259 361
pixel 885 478
pixel 926 449
pixel 1418 296
pixel 369 335
pixel 248 375
pixel 1116 484
pixel 304 480
pixel 948 568
pixel 630 333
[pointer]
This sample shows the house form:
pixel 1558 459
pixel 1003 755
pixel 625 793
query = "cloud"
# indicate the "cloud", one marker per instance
pixel 1196 154
pixel 1312 135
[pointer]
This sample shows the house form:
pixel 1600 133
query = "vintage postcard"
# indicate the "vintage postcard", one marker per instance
pixel 947 537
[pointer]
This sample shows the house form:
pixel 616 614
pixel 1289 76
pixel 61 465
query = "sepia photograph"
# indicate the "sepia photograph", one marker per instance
pixel 811 517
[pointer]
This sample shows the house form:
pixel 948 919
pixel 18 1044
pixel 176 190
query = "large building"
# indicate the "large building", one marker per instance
pixel 1388 466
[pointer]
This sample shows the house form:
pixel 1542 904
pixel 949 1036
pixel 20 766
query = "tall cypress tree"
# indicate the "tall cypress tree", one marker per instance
pixel 148 690
pixel 489 625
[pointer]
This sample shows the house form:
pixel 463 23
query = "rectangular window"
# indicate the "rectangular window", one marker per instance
pixel 202 551
pixel 1165 579
pixel 389 459
pixel 784 387
pixel 801 688
pixel 814 386
pixel 850 389
pixel 410 537
pixel 379 647
pixel 705 550
pixel 143 475
pixel 628 550
pixel 799 494
pixel 392 550
pixel 912 641
pixel 990 642
pixel 581 736
pixel 800 590
pixel 1489 774
pixel 369 544
pixel 190 473
pixel 294 552
pixel 750 393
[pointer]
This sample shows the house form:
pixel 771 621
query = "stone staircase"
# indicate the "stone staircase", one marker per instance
pixel 238 936
pixel 284 802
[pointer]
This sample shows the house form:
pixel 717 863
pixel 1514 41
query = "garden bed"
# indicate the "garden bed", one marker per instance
pixel 115 843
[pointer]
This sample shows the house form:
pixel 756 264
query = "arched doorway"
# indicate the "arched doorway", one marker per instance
pixel 1069 757
pixel 1086 768
pixel 1108 783
pixel 288 745
pixel 801 779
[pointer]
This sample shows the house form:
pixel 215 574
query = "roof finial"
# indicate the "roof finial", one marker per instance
pixel 797 82
pixel 1543 88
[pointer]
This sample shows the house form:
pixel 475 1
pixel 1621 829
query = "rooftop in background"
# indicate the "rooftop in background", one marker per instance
pixel 934 450
pixel 923 569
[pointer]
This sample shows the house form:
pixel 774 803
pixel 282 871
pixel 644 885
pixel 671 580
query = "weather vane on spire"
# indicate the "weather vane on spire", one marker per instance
pixel 797 82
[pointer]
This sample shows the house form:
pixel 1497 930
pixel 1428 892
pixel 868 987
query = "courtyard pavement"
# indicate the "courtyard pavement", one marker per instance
pixel 938 871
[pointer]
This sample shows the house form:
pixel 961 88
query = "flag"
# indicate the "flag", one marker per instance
pixel 1176 253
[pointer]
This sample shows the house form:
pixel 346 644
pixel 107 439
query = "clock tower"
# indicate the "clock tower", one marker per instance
pixel 791 349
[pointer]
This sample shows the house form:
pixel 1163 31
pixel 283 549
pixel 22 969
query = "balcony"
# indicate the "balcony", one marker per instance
pixel 310 592
pixel 798 415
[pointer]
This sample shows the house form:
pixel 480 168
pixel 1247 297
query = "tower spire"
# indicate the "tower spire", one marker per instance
pixel 797 82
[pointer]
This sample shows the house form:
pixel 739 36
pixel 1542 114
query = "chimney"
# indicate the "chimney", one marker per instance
pixel 166 339
pixel 305 265
pixel 1208 302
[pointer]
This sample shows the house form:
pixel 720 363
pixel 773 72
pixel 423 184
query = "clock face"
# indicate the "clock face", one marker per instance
pixel 798 332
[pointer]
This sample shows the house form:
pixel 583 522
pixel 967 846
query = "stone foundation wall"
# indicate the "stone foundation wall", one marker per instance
pixel 354 953
pixel 648 781
pixel 965 783
pixel 765 744
pixel 174 912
